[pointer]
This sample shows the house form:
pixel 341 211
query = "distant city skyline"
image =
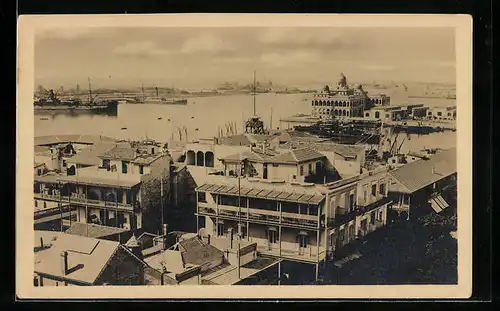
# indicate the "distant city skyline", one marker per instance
pixel 200 58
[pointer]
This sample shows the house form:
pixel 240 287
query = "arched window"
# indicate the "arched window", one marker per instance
pixel 347 113
pixel 190 157
pixel 71 171
pixel 377 114
pixel 328 103
pixel 343 113
pixel 200 158
pixel 209 159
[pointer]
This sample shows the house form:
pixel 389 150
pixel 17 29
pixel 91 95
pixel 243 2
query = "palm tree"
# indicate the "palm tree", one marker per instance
pixel 326 89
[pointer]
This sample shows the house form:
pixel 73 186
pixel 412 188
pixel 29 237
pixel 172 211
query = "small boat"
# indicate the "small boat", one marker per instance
pixel 168 119
pixel 160 118
pixel 123 128
pixel 196 129
pixel 192 117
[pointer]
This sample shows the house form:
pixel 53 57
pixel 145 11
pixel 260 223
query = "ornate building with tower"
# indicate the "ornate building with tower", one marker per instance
pixel 343 102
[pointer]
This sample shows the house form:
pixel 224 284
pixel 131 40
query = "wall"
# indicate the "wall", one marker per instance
pixel 150 194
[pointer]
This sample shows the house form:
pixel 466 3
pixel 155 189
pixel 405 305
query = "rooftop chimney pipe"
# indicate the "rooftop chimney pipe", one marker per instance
pixel 64 262
pixel 41 242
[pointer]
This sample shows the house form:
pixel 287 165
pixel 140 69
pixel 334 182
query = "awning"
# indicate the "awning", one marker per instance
pixel 438 204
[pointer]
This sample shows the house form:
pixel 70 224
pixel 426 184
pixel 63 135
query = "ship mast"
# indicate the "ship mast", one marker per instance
pixel 90 91
pixel 254 89
pixel 142 88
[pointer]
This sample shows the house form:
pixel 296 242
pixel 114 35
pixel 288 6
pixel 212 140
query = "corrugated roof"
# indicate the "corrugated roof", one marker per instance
pixel 94 231
pixel 98 181
pixel 269 194
pixel 87 258
pixel 421 173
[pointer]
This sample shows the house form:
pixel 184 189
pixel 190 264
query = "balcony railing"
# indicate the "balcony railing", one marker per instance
pixel 259 215
pixel 83 201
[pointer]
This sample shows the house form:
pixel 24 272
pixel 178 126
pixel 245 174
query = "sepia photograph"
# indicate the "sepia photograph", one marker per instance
pixel 260 150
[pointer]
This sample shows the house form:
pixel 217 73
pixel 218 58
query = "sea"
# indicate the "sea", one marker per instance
pixel 205 117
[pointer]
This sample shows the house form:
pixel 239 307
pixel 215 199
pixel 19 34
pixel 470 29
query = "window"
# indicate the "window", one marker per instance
pixel 301 170
pixel 294 177
pixel 310 167
pixel 272 236
pixel 220 229
pixel 36 203
pixel 352 232
pixel 64 163
pixel 364 195
pixel 124 167
pixel 351 202
pixel 380 215
pixel 303 240
pixel 202 197
pixel 393 161
pixel 374 190
pixel 382 189
pixel 39 172
pixel 35 281
pixel 141 169
pixel 372 218
pixel 105 163
pixel 449 114
pixel 439 113
pixel 429 113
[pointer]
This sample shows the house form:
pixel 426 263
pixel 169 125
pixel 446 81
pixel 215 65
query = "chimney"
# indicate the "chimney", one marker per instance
pixel 41 242
pixel 162 281
pixel 208 239
pixel 64 262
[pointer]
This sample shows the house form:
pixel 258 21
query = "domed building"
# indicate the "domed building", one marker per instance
pixel 343 102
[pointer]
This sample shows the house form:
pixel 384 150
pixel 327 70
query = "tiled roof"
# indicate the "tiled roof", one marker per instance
pixel 343 150
pixel 421 173
pixel 74 138
pixel 91 154
pixel 87 258
pixel 195 252
pixel 235 140
pixel 297 156
pixel 94 231
pixel 122 153
pixel 246 155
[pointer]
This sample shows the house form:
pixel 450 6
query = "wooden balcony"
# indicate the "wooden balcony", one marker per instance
pixel 307 254
pixel 83 202
pixel 259 215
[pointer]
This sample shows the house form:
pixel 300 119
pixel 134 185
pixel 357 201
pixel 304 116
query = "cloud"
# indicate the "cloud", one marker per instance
pixel 293 37
pixel 69 33
pixel 206 43
pixel 291 58
pixel 378 67
pixel 140 49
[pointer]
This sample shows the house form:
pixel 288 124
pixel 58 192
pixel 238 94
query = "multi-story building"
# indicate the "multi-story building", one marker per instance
pixel 302 222
pixel 425 184
pixel 343 102
pixel 442 113
pixel 126 190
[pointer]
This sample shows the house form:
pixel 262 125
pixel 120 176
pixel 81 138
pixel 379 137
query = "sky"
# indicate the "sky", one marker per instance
pixel 195 58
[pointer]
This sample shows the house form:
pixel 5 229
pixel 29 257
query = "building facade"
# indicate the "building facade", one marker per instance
pixel 299 222
pixel 126 190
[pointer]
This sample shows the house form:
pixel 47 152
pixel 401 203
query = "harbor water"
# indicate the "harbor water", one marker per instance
pixel 202 117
